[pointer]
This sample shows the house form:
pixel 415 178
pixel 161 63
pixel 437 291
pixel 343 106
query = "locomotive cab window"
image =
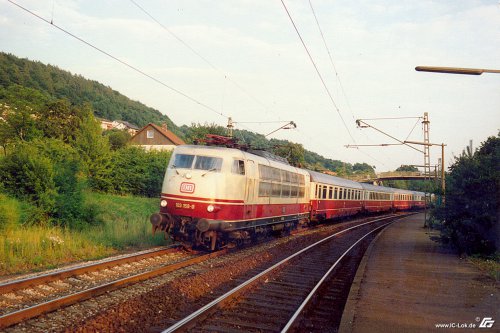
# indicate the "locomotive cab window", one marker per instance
pixel 208 163
pixel 238 167
pixel 183 161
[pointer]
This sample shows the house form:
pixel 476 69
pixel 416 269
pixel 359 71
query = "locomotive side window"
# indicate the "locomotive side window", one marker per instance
pixel 208 163
pixel 238 167
pixel 264 189
pixel 285 191
pixel 183 161
pixel 275 190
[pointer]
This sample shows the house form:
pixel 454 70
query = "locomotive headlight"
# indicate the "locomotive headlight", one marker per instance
pixel 163 203
pixel 210 208
pixel 188 175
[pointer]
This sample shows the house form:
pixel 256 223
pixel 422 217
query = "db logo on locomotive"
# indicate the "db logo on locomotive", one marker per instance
pixel 187 187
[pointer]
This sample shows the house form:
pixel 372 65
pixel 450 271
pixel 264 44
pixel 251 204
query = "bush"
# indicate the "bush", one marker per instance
pixel 139 172
pixel 9 212
pixel 27 174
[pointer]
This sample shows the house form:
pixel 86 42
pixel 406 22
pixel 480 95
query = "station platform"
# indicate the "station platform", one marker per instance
pixel 408 282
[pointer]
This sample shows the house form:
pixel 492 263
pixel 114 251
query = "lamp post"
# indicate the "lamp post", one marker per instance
pixel 455 70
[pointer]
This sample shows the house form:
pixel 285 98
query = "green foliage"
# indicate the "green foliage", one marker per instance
pixel 293 152
pixel 139 172
pixel 410 168
pixel 117 139
pixel 95 154
pixel 9 212
pixel 197 131
pixel 52 81
pixel 26 174
pixel 61 120
pixel 470 215
pixel 363 168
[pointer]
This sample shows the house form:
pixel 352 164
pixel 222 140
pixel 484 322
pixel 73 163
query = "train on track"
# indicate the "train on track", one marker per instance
pixel 213 196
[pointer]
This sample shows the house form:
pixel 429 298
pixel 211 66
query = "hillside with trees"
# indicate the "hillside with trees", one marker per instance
pixel 59 84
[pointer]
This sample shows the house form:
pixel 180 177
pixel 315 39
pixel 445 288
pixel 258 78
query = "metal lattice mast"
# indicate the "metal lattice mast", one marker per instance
pixel 427 161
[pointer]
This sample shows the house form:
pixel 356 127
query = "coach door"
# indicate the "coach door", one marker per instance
pixel 250 190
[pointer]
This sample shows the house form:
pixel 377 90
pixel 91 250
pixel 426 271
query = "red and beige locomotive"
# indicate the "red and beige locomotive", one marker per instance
pixel 212 196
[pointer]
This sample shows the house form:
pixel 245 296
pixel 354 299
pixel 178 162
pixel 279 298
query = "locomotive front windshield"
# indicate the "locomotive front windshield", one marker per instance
pixel 185 161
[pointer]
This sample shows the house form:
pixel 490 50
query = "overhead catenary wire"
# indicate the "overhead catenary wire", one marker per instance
pixel 338 76
pixel 331 60
pixel 194 51
pixel 317 70
pixel 192 99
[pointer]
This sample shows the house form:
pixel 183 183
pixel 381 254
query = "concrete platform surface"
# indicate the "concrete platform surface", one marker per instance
pixel 409 283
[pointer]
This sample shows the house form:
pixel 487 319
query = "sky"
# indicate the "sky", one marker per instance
pixel 244 59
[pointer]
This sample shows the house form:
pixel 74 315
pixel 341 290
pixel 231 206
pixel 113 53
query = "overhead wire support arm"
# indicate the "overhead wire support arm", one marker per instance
pixel 289 125
pixel 374 145
pixel 363 124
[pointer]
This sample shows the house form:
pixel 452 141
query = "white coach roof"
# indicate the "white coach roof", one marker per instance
pixel 332 180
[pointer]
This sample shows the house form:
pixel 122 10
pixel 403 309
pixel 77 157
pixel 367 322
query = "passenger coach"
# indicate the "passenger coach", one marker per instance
pixel 333 197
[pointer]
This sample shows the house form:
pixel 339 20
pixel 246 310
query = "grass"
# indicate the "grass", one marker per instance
pixel 123 225
pixel 489 265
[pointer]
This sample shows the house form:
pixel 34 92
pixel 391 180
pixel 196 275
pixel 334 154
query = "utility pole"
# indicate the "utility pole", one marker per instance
pixel 230 127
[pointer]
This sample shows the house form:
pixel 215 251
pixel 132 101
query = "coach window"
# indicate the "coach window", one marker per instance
pixel 294 191
pixel 238 167
pixel 336 193
pixel 330 192
pixel 341 193
pixel 325 188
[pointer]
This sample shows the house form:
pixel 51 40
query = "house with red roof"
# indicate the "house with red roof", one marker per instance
pixel 156 137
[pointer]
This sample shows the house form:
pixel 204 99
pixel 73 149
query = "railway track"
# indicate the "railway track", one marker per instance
pixel 292 293
pixel 30 297
pixel 71 288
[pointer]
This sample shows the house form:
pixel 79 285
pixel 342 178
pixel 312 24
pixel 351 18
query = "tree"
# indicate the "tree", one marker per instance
pixel 408 168
pixel 94 153
pixel 117 139
pixel 198 132
pixel 470 216
pixel 363 168
pixel 293 152
pixel 61 120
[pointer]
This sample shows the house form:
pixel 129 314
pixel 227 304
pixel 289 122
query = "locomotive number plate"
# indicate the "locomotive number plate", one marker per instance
pixel 184 206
